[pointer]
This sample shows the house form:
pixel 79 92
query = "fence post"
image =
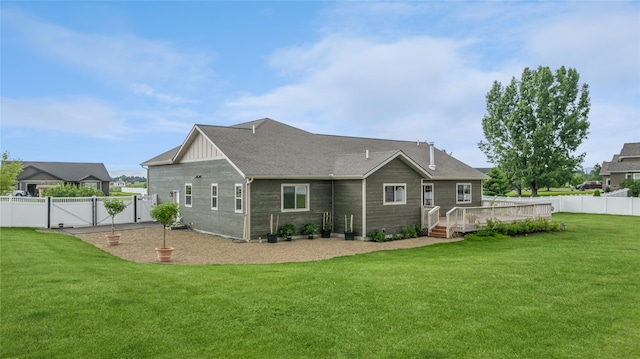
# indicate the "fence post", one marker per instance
pixel 49 212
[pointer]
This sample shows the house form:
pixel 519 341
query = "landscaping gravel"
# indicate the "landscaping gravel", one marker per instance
pixel 193 247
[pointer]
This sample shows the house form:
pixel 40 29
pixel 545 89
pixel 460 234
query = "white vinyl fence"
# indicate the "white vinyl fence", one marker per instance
pixel 56 212
pixel 629 206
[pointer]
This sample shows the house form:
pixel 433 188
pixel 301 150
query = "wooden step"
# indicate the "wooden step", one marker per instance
pixel 438 232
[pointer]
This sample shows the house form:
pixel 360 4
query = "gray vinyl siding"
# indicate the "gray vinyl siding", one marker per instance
pixel 445 194
pixel 348 201
pixel 393 217
pixel 266 200
pixel 224 221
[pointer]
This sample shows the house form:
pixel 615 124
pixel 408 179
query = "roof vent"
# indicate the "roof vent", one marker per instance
pixel 254 129
pixel 366 154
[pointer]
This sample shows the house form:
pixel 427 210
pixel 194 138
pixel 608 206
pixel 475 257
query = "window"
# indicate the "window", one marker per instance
pixel 238 198
pixel 187 194
pixel 90 184
pixel 295 197
pixel 427 194
pixel 395 193
pixel 463 193
pixel 214 196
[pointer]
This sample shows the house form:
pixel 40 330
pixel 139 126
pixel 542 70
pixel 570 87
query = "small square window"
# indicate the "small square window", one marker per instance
pixel 395 193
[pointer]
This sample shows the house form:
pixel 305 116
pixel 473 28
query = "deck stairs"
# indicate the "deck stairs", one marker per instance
pixel 439 232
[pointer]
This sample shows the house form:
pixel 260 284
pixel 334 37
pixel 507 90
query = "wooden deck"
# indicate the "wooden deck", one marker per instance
pixel 469 219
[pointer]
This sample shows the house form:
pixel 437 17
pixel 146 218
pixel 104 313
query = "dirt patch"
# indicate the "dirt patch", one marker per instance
pixel 192 247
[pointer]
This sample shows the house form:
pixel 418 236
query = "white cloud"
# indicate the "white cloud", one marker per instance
pixel 123 58
pixel 84 116
pixel 147 90
pixel 433 88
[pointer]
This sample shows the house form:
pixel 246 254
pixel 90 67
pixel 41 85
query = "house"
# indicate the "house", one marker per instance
pixel 228 180
pixel 625 165
pixel 119 183
pixel 37 176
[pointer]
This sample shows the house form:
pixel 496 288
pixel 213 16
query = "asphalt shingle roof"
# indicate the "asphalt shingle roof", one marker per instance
pixel 70 171
pixel 280 150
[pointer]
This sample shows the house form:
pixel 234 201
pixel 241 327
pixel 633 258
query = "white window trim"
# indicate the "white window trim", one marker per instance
pixel 307 199
pixel 470 193
pixel 216 196
pixel 433 194
pixel 384 194
pixel 188 196
pixel 235 197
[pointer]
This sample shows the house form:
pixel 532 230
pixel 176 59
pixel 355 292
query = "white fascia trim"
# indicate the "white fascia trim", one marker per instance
pixel 416 167
pixel 190 139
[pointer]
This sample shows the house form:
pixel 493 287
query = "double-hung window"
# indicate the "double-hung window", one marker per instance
pixel 238 198
pixel 463 193
pixel 187 194
pixel 295 197
pixel 214 196
pixel 395 193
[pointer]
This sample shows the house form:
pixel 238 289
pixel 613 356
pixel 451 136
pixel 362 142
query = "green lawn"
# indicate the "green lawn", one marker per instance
pixel 574 294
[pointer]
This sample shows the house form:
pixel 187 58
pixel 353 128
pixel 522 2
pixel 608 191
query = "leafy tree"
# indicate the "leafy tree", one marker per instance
pixel 533 126
pixel 165 213
pixel 71 190
pixel 633 186
pixel 9 171
pixel 497 184
pixel 594 175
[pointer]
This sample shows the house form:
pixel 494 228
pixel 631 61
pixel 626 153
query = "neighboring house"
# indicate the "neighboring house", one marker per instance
pixel 119 183
pixel 622 166
pixel 229 180
pixel 37 176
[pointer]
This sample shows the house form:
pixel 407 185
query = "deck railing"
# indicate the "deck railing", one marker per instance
pixel 469 219
pixel 430 217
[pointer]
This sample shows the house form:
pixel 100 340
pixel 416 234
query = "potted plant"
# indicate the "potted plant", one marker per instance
pixel 272 236
pixel 348 228
pixel 310 229
pixel 113 206
pixel 287 230
pixel 166 214
pixel 326 225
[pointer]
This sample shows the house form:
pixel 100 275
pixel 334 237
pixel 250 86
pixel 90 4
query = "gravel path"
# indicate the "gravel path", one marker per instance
pixel 192 247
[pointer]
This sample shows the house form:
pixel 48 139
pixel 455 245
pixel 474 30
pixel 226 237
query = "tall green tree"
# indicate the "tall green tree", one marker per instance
pixel 594 174
pixel 497 184
pixel 9 171
pixel 534 125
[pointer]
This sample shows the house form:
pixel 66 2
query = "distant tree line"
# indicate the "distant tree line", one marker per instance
pixel 130 179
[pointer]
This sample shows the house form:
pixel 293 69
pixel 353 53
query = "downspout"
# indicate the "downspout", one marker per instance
pixel 247 215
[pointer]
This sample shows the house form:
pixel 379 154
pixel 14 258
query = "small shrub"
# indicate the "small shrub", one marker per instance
pixel 596 193
pixel 409 232
pixel 517 228
pixel 377 236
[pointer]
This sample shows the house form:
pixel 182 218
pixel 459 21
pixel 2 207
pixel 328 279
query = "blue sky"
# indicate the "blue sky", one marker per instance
pixel 121 82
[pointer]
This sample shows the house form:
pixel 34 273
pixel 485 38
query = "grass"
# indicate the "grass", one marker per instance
pixel 572 294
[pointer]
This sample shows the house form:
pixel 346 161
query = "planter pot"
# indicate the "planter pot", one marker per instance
pixel 113 239
pixel 310 236
pixel 326 233
pixel 288 239
pixel 272 238
pixel 349 236
pixel 164 254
